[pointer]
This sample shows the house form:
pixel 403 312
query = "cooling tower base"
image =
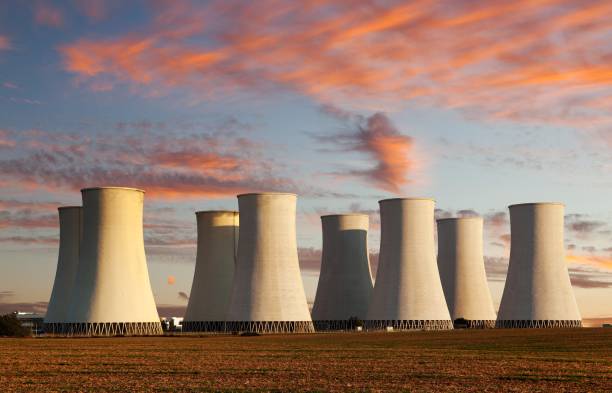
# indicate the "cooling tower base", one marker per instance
pixel 536 324
pixel 204 326
pixel 270 326
pixel 105 329
pixel 409 324
pixel 474 324
pixel 341 324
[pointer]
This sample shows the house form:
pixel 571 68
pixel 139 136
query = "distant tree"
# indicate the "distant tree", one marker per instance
pixel 10 326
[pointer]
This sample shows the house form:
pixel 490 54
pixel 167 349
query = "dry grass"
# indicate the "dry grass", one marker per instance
pixel 494 360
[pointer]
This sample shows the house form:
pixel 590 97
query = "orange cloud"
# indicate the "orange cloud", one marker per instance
pixel 95 10
pixel 166 165
pixel 543 61
pixel 590 260
pixel 5 43
pixel 390 149
pixel 47 15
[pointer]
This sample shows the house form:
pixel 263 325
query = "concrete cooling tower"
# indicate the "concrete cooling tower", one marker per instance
pixel 538 292
pixel 214 271
pixel 461 266
pixel 345 282
pixel 267 292
pixel 112 294
pixel 408 293
pixel 65 273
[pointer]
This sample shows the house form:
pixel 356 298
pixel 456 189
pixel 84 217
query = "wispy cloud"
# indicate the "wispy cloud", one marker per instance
pixel 378 138
pixel 5 43
pixel 166 165
pixel 46 14
pixel 543 62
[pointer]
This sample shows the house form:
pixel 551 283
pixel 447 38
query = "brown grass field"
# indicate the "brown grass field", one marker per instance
pixel 489 360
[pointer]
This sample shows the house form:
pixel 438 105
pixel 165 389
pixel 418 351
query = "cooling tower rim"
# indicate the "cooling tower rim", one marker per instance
pixel 69 207
pixel 265 193
pixel 344 215
pixel 199 212
pixel 112 188
pixel 406 199
pixel 536 204
pixel 460 218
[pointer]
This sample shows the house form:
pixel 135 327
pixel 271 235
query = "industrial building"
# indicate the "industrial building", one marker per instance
pixel 112 293
pixel 70 218
pixel 267 292
pixel 538 292
pixel 408 293
pixel 345 282
pixel 214 271
pixel 461 266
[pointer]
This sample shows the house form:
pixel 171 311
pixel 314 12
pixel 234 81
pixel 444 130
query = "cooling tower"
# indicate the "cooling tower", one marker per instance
pixel 65 273
pixel 345 282
pixel 538 292
pixel 461 265
pixel 267 292
pixel 214 271
pixel 112 294
pixel 408 293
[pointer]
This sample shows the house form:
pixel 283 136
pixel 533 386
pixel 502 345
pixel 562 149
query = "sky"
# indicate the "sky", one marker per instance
pixel 476 104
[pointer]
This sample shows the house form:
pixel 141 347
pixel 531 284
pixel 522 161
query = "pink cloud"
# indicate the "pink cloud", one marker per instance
pixel 5 43
pixel 45 14
pixel 166 165
pixel 389 149
pixel 95 10
pixel 545 62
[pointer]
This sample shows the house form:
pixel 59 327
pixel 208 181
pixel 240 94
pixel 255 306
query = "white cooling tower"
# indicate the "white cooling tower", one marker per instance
pixel 461 265
pixel 267 292
pixel 408 293
pixel 112 294
pixel 65 273
pixel 214 271
pixel 345 282
pixel 538 292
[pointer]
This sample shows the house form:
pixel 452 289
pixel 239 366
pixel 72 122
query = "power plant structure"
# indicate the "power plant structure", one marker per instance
pixel 538 292
pixel 408 293
pixel 70 218
pixel 345 283
pixel 112 293
pixel 214 271
pixel 267 292
pixel 461 266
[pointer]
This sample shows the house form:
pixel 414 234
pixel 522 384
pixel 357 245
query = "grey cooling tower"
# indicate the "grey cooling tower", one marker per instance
pixel 112 293
pixel 538 292
pixel 461 265
pixel 267 293
pixel 67 264
pixel 408 293
pixel 345 282
pixel 214 271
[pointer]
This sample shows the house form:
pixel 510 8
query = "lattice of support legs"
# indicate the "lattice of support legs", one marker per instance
pixel 270 326
pixel 474 324
pixel 409 324
pixel 537 324
pixel 203 326
pixel 335 324
pixel 109 329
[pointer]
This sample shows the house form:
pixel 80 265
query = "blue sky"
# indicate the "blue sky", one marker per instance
pixel 475 104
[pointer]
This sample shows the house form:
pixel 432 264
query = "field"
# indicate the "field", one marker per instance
pixel 492 360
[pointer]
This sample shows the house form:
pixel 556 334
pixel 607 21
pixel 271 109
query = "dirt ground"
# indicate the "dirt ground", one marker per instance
pixel 485 360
